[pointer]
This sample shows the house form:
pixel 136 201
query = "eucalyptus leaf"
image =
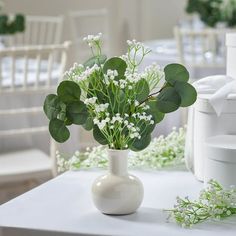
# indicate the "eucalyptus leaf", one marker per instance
pixel 115 63
pixel 99 60
pixel 58 130
pixel 98 136
pixel 52 106
pixel 153 110
pixel 176 72
pixel 68 91
pixel 142 90
pixel 77 112
pixel 88 125
pixel 140 144
pixel 168 100
pixel 187 93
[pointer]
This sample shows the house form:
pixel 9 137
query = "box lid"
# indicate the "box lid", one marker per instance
pixel 222 148
pixel 203 105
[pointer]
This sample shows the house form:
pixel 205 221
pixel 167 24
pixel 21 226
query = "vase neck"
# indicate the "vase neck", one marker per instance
pixel 118 162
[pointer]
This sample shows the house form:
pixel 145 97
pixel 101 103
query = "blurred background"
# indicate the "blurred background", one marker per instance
pixel 39 40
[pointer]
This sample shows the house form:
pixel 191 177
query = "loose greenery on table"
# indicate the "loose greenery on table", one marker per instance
pixel 212 12
pixel 162 152
pixel 214 202
pixel 110 97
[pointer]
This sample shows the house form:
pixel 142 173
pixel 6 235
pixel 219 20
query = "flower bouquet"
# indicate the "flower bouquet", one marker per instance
pixel 121 106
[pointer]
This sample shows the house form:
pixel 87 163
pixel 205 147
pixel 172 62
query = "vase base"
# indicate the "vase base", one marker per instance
pixel 117 195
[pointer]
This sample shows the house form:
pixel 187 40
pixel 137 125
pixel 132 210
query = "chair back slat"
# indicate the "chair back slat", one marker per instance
pixel 39 30
pixel 32 68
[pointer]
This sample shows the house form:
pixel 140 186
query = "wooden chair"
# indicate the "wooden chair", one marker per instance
pixel 88 22
pixel 39 30
pixel 30 164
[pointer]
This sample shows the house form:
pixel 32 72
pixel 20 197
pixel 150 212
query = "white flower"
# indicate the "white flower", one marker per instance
pixel 91 100
pixel 101 107
pixel 92 39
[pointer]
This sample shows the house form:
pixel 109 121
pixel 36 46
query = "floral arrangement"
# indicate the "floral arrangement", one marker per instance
pixel 162 152
pixel 214 203
pixel 212 12
pixel 110 97
pixel 11 25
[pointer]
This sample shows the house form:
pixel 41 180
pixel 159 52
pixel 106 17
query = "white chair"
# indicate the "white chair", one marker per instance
pixel 88 22
pixel 39 30
pixel 201 48
pixel 30 164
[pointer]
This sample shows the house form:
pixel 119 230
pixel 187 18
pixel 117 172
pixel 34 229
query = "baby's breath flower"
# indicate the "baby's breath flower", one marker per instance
pixel 214 202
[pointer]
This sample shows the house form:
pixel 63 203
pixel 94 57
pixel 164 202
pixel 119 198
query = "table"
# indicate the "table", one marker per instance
pixel 63 206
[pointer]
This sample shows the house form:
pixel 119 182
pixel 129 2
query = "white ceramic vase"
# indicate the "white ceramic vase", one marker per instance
pixel 117 192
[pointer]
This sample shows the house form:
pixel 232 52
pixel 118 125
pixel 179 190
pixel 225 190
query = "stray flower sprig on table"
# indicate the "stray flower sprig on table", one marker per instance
pixel 162 152
pixel 114 100
pixel 214 202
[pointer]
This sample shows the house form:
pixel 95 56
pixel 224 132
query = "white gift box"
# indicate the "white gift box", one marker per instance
pixel 221 160
pixel 207 123
pixel 214 112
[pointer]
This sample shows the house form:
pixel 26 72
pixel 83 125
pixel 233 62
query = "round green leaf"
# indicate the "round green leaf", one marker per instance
pixel 142 90
pixel 58 130
pixel 68 91
pixel 187 93
pixel 98 136
pixel 88 124
pixel 99 60
pixel 168 100
pixel 153 110
pixel 52 106
pixel 77 112
pixel 140 144
pixel 115 63
pixel 176 72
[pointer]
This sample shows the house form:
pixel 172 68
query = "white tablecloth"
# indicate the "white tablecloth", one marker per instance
pixel 63 206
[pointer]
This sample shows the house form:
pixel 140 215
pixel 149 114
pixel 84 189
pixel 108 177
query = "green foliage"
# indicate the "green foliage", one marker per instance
pixel 142 90
pixel 77 112
pixel 212 12
pixel 110 97
pixel 115 63
pixel 99 60
pixel 58 130
pixel 176 72
pixel 68 91
pixel 140 144
pixel 8 26
pixel 156 114
pixel 187 93
pixel 99 136
pixel 168 100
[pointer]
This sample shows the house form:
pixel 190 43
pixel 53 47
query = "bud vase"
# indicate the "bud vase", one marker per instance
pixel 117 192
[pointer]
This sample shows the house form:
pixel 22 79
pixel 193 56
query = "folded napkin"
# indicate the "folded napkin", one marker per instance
pixel 220 86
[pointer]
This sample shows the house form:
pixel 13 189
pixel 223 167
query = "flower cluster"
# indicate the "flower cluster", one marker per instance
pixel 214 203
pixel 162 152
pixel 93 40
pixel 114 99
